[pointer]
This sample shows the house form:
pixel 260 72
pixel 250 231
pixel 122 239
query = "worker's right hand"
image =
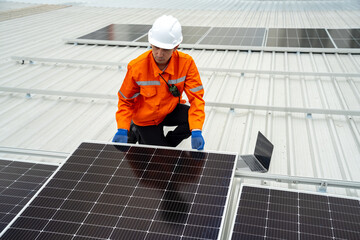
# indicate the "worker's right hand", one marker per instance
pixel 121 136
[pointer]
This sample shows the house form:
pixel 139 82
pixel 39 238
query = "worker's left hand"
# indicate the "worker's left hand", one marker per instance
pixel 197 140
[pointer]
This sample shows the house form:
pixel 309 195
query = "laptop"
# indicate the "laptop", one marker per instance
pixel 260 160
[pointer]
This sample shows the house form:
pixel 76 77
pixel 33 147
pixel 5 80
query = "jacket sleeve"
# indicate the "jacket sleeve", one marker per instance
pixel 195 92
pixel 127 94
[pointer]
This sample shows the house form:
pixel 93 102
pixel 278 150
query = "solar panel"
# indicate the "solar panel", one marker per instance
pixel 19 181
pixel 235 36
pixel 265 213
pixel 298 38
pixel 108 191
pixel 118 32
pixel 346 38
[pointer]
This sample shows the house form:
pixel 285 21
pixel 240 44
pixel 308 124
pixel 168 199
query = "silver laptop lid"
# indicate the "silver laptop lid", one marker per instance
pixel 263 150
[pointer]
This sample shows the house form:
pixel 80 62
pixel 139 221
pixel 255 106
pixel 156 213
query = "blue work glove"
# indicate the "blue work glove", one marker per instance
pixel 121 136
pixel 197 140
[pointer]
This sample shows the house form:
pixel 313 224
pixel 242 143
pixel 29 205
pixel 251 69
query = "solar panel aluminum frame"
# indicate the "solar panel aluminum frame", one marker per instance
pixel 238 197
pixel 229 193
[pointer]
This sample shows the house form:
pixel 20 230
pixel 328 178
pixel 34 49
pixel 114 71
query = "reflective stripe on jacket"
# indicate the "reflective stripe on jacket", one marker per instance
pixel 145 98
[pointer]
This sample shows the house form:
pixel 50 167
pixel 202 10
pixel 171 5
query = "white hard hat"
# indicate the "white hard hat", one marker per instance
pixel 165 32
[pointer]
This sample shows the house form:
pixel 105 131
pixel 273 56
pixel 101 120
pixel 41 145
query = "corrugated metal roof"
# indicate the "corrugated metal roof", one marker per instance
pixel 307 104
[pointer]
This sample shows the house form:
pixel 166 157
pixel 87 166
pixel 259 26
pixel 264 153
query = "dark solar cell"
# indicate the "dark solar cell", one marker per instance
pixel 94 231
pixel 114 156
pixel 309 220
pixel 208 210
pixel 313 205
pixel 116 148
pixel 314 212
pixel 219 157
pixel 85 153
pixel 211 190
pixel 107 209
pixel 35 212
pixel 93 146
pixel 252 204
pixel 75 167
pixel 282 216
pixel 281 234
pixel 289 226
pixel 312 197
pixel 47 202
pixel 83 196
pixel 120 192
pixel 62 183
pixel 75 205
pixel 283 208
pixel 120 233
pixel 105 220
pixel 316 230
pixel 249 229
pixel 69 175
pixel 16 170
pixel 343 234
pixel 24 165
pixel 265 213
pixel 256 197
pixel 113 199
pixel 167 152
pixel 344 201
pixel 80 160
pixel 69 216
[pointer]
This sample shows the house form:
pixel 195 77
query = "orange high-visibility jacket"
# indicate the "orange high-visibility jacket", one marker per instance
pixel 145 98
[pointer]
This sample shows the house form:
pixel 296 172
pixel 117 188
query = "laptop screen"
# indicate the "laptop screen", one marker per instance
pixel 263 150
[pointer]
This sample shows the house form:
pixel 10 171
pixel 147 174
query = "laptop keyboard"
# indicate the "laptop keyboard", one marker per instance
pixel 253 165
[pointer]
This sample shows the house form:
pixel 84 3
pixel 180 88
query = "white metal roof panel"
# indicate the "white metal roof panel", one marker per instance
pixel 73 97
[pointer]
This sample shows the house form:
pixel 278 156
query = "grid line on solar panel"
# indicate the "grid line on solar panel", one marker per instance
pixel 191 204
pixel 311 213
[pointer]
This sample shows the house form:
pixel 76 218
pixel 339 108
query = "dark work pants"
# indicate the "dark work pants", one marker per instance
pixel 154 134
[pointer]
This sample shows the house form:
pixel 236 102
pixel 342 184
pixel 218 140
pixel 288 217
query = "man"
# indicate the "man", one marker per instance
pixel 150 95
